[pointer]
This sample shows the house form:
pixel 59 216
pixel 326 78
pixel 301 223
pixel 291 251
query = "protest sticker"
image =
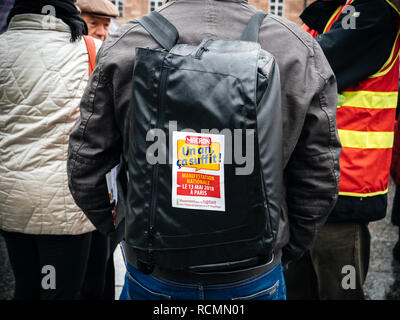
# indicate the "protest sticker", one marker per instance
pixel 198 171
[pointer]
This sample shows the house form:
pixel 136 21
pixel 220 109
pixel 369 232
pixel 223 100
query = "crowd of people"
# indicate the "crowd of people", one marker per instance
pixel 66 88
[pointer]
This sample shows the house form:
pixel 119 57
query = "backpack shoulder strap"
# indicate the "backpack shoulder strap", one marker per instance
pixel 91 48
pixel 253 27
pixel 160 29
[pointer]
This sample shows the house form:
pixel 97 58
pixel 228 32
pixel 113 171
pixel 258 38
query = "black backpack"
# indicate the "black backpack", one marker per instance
pixel 202 211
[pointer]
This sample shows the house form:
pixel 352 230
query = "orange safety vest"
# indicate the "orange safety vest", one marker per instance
pixel 366 126
pixel 91 48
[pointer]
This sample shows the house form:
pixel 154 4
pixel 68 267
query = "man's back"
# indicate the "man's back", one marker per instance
pixel 311 146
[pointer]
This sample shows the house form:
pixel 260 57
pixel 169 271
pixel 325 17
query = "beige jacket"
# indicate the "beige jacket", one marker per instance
pixel 42 78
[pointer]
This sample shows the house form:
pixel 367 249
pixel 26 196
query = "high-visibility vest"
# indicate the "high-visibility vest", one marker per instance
pixel 91 48
pixel 365 123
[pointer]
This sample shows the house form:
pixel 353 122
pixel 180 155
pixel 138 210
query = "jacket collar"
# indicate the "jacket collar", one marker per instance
pixel 37 22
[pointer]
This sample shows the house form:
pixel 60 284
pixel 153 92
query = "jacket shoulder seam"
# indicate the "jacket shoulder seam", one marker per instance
pixel 135 24
pixel 106 49
pixel 282 22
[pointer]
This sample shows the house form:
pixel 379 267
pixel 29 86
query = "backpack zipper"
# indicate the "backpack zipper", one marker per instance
pixel 263 189
pixel 154 190
pixel 203 48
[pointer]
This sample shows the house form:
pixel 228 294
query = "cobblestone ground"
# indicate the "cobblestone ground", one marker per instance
pixel 6 275
pixel 383 279
pixel 382 283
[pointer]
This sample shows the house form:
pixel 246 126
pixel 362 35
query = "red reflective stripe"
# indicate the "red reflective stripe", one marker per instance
pixel 364 170
pixel 386 83
pixel 312 32
pixel 334 20
pixel 305 27
pixel 362 119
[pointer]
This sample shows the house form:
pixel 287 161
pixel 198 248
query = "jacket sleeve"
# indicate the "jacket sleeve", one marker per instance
pixel 312 171
pixel 359 50
pixel 94 149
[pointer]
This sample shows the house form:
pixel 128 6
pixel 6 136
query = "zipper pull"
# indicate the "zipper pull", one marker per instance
pixel 203 49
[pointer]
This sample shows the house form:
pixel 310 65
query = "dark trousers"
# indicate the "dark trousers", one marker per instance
pixel 99 282
pixel 338 259
pixel 47 267
pixel 396 208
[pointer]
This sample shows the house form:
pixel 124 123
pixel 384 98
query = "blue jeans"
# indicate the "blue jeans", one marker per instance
pixel 267 286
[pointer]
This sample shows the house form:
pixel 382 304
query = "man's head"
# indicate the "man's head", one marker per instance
pixel 97 26
pixel 97 15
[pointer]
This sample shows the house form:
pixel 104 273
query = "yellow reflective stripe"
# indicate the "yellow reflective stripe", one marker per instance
pixel 366 139
pixel 382 73
pixel 362 195
pixel 393 6
pixel 341 100
pixel 393 61
pixel 333 16
pixel 370 99
pixel 391 53
pixel 335 13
